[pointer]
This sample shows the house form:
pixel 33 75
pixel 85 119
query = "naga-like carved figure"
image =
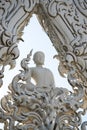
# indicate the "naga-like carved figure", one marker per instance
pixel 40 106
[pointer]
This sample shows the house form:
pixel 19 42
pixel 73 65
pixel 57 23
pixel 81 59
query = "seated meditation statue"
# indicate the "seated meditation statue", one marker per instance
pixel 43 77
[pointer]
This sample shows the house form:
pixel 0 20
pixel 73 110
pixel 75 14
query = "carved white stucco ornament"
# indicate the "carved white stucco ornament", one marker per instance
pixel 45 108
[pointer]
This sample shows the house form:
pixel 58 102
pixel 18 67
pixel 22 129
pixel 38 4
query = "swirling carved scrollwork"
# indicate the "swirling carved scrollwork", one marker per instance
pixel 82 6
pixel 14 15
pixel 68 32
pixel 40 108
pixel 65 22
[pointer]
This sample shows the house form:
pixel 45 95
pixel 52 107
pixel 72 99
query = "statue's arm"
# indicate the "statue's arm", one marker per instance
pixel 52 81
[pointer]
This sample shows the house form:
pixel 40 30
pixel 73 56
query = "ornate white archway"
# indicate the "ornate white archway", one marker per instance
pixel 65 22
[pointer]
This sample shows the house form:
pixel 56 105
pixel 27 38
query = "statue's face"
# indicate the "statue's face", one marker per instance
pixel 39 58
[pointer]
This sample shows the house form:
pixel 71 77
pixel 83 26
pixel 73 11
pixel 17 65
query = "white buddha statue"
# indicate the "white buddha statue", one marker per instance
pixel 43 77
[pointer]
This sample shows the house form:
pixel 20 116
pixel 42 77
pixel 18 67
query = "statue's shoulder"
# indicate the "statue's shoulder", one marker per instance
pixel 48 70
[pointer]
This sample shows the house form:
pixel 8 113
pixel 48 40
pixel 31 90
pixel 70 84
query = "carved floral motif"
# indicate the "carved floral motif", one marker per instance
pixel 41 108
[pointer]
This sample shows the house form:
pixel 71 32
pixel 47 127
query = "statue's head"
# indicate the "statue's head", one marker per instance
pixel 39 58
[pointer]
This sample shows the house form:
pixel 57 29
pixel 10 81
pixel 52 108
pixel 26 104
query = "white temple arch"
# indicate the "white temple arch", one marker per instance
pixel 65 22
